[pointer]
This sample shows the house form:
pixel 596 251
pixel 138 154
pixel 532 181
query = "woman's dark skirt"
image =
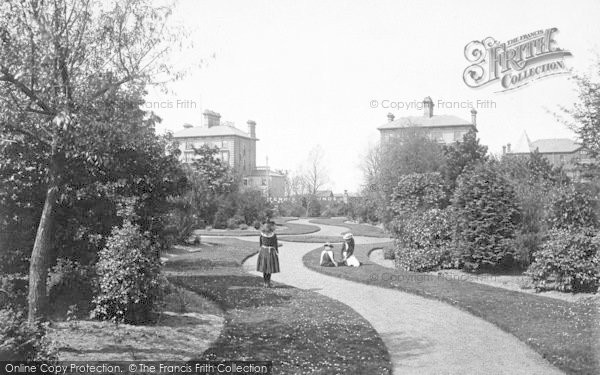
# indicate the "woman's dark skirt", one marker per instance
pixel 268 260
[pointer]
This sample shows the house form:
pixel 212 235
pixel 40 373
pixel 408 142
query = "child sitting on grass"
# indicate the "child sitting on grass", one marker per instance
pixel 327 258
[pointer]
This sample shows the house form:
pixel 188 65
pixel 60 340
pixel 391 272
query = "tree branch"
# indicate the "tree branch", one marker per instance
pixel 8 77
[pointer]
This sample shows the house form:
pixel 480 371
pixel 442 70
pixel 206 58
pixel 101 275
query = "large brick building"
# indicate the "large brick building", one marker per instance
pixel 444 129
pixel 235 147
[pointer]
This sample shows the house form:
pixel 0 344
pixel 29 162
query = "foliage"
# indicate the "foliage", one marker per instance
pixel 13 291
pixel 569 261
pixel 534 180
pixel 424 240
pixel 336 208
pixel 71 284
pixel 487 218
pixel 73 75
pixel 314 207
pixel 417 191
pixel 20 341
pixel 414 153
pixel 365 209
pixel 573 208
pixel 585 120
pixel 290 208
pixel 129 269
pixel 460 156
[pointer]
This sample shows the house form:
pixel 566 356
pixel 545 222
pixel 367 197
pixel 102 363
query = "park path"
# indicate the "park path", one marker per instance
pixel 423 336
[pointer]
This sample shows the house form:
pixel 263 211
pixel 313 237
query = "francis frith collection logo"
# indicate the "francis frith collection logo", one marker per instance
pixel 514 63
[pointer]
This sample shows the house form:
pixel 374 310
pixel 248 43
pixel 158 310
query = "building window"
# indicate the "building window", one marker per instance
pixel 264 182
pixel 224 156
pixel 245 182
pixel 457 135
pixel 189 145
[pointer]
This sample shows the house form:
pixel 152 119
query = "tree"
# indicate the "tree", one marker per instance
pixel 585 115
pixel 413 153
pixel 72 78
pixel 461 155
pixel 315 175
pixel 487 216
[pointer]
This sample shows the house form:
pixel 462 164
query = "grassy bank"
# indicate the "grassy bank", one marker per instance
pixel 566 334
pixel 283 228
pixel 356 229
pixel 300 331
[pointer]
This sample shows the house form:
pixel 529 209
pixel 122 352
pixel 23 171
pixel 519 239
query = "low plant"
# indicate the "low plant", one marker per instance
pixel 21 341
pixel 569 261
pixel 68 282
pixel 129 277
pixel 424 242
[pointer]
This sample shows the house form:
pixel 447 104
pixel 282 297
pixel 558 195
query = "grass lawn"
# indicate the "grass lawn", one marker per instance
pixel 311 239
pixel 300 331
pixel 188 324
pixel 284 228
pixel 567 334
pixel 356 229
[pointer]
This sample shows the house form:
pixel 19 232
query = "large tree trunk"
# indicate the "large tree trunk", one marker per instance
pixel 38 265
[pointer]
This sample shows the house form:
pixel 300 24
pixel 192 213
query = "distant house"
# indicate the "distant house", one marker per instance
pixel 560 152
pixel 271 183
pixel 325 195
pixel 235 147
pixel 445 129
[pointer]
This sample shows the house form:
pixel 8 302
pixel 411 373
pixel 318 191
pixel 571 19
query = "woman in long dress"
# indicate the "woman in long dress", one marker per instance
pixel 268 256
pixel 348 251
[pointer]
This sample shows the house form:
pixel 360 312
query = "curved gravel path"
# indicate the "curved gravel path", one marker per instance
pixel 422 336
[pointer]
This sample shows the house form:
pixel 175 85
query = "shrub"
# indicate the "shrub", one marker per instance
pixel 129 271
pixel 314 209
pixel 232 224
pixel 571 208
pixel 20 341
pixel 389 253
pixel 424 241
pixel 15 289
pixel 244 226
pixel 487 216
pixel 568 261
pixel 418 191
pixel 533 200
pixel 70 283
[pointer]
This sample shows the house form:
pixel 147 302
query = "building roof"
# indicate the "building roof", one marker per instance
pixel 262 171
pixel 426 121
pixel 214 131
pixel 555 146
pixel 324 193
pixel 523 145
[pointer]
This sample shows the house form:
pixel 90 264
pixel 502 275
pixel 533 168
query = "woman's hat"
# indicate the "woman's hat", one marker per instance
pixel 347 236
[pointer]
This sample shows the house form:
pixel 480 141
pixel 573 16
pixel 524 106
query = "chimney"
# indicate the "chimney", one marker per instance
pixel 503 150
pixel 252 128
pixel 188 126
pixel 508 148
pixel 211 119
pixel 390 117
pixel 474 117
pixel 427 107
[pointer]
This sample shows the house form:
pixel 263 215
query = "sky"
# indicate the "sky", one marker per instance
pixel 309 72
